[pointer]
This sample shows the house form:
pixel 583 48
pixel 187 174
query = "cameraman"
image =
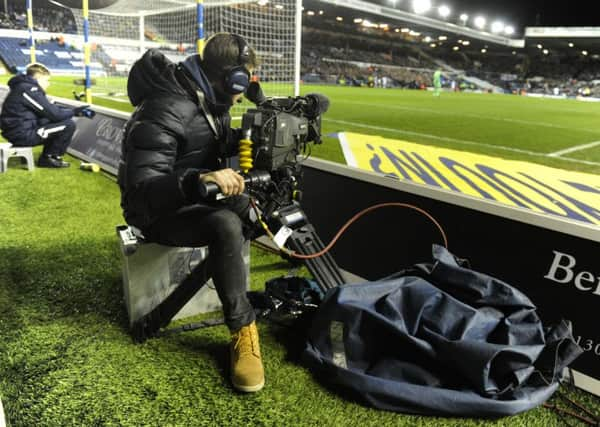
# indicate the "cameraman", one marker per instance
pixel 180 135
pixel 28 117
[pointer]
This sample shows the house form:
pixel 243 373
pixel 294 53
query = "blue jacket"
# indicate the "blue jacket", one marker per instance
pixel 26 108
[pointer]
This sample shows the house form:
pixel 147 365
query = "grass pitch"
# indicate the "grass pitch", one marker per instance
pixel 67 357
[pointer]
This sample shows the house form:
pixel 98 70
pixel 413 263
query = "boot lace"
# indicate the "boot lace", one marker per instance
pixel 246 343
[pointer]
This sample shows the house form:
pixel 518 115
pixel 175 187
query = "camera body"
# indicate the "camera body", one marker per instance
pixel 279 132
pixel 274 136
pixel 280 128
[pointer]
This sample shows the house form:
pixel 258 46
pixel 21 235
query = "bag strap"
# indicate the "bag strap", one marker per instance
pixel 207 114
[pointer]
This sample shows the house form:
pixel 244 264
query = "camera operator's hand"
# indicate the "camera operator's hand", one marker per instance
pixel 229 181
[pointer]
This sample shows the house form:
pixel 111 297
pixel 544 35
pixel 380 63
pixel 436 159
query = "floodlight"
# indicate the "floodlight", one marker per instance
pixel 444 11
pixel 480 22
pixel 310 13
pixel 584 52
pixel 539 46
pixel 442 38
pixel 497 27
pixel 483 50
pixel 509 30
pixel 369 24
pixel 545 51
pixel 455 48
pixel 571 45
pixel 433 45
pixel 464 17
pixel 421 6
pixel 339 18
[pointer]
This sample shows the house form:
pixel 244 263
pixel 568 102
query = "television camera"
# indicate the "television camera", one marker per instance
pixel 276 137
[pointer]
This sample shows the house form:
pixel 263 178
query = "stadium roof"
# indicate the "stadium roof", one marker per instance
pixel 150 7
pixel 348 9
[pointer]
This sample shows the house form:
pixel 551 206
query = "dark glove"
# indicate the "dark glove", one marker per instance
pixel 84 111
pixel 78 111
pixel 89 113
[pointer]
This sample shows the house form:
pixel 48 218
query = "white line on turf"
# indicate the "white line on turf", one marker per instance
pixel 459 141
pixel 112 98
pixel 575 148
pixel 474 116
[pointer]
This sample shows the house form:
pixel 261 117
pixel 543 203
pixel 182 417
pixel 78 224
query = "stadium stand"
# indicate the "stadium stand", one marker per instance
pixel 348 54
pixel 58 56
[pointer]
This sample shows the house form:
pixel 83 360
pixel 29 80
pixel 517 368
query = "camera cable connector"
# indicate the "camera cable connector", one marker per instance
pixel 245 151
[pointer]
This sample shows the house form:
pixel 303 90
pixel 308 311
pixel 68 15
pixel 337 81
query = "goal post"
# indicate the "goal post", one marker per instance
pixel 122 31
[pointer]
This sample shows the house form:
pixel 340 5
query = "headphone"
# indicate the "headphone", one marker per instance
pixel 237 78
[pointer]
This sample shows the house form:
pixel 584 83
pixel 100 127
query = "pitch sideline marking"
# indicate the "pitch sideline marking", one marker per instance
pixel 112 98
pixel 461 141
pixel 575 148
pixel 475 116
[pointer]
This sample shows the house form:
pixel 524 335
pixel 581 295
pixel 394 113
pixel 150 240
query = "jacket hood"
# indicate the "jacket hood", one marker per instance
pixel 152 74
pixel 191 64
pixel 218 102
pixel 20 79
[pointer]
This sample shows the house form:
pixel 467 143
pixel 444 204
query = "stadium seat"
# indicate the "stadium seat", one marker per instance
pixel 152 271
pixel 7 151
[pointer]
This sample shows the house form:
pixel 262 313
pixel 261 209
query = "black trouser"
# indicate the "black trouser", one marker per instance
pixel 56 137
pixel 221 228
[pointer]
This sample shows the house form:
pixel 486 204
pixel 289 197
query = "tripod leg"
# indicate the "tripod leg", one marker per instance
pixel 304 240
pixel 324 268
pixel 149 325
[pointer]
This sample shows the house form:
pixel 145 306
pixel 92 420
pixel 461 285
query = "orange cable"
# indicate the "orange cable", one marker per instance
pixel 355 218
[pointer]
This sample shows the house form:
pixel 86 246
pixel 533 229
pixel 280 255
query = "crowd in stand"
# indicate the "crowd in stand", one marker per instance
pixel 329 57
pixel 362 59
pixel 52 20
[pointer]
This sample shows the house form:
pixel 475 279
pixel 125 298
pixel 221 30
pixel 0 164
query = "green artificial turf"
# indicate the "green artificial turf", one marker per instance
pixel 67 358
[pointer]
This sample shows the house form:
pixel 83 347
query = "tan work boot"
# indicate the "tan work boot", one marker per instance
pixel 247 372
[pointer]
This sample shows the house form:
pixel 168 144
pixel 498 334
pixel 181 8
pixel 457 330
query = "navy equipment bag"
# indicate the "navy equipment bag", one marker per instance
pixel 439 339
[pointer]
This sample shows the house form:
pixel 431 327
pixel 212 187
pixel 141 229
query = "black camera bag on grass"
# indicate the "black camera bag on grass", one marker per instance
pixel 439 339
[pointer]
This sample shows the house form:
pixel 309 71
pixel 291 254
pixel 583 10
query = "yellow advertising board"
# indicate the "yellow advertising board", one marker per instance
pixel 543 189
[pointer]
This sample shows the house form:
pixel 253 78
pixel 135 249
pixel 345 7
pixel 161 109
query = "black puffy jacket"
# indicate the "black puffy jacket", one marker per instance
pixel 168 141
pixel 26 108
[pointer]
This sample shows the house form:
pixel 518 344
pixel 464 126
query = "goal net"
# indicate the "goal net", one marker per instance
pixel 121 32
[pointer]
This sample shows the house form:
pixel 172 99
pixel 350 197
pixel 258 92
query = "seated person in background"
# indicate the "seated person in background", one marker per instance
pixel 180 135
pixel 29 118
